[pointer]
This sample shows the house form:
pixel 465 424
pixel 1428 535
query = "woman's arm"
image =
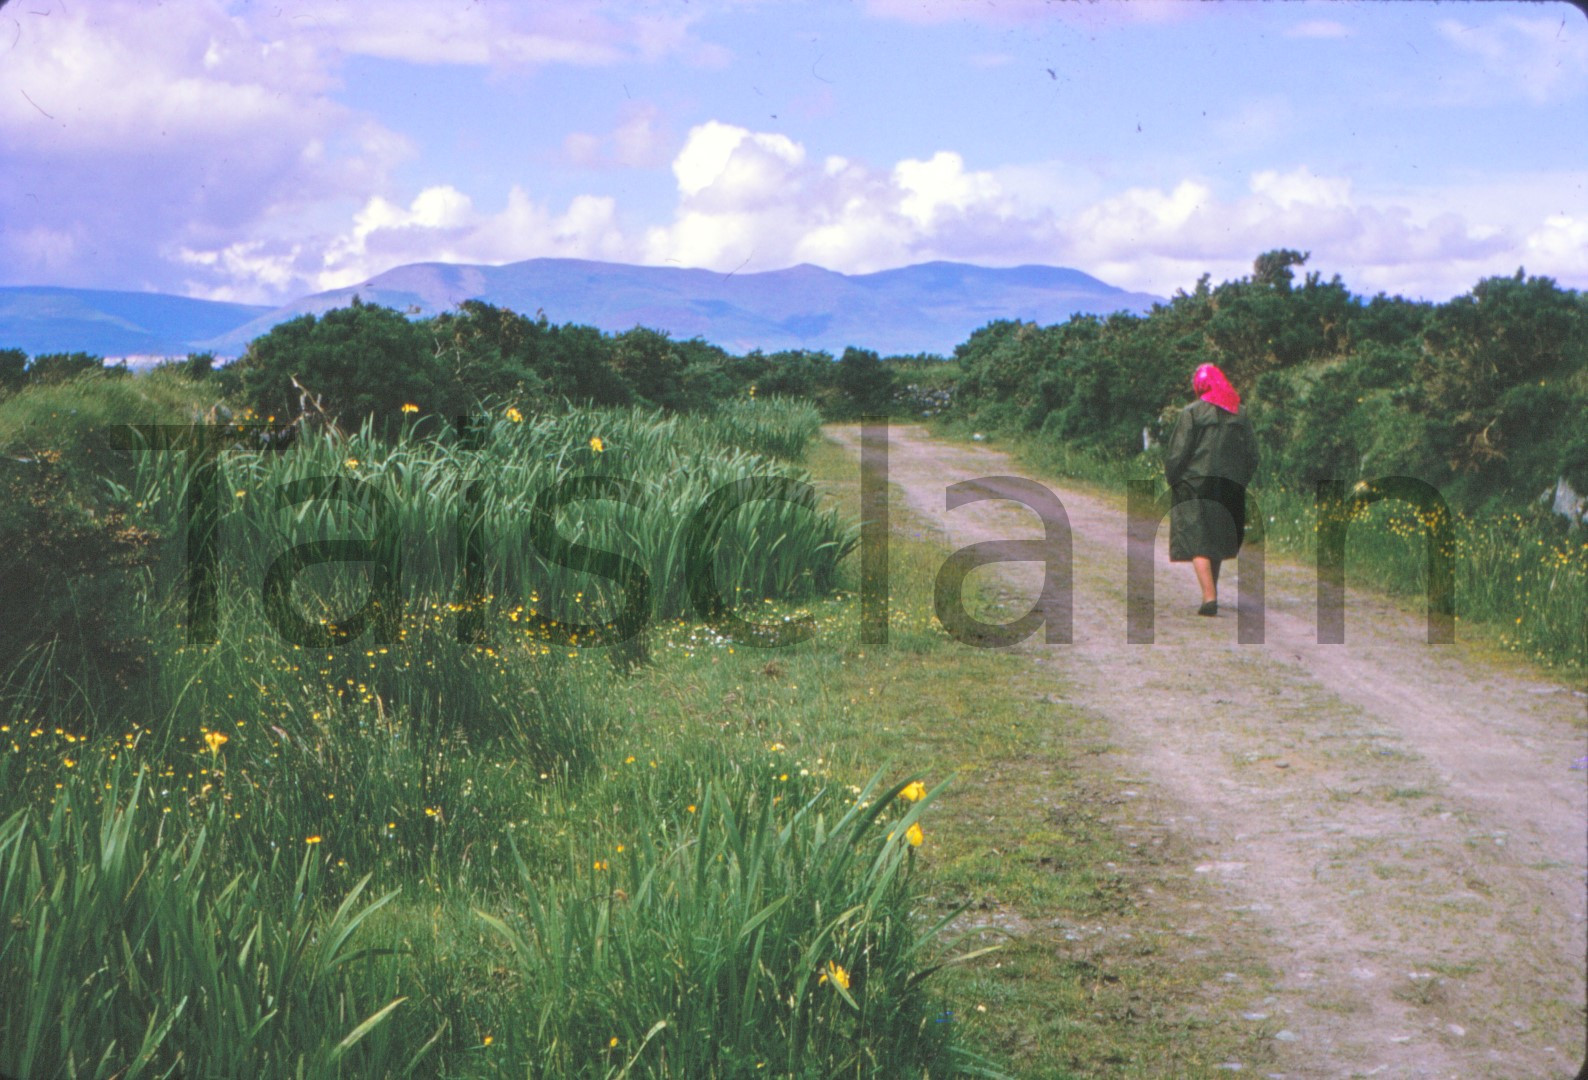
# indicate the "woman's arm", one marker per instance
pixel 1177 451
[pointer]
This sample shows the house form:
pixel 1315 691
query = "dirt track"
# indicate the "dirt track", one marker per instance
pixel 1400 820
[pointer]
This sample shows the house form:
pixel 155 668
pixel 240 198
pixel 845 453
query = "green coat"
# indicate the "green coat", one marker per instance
pixel 1209 459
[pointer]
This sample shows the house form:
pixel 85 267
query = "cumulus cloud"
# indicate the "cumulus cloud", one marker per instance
pixel 126 137
pixel 1559 247
pixel 440 224
pixel 1156 240
pixel 201 144
pixel 760 200
pixel 758 196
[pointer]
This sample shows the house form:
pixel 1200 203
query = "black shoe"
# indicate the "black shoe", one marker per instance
pixel 1210 607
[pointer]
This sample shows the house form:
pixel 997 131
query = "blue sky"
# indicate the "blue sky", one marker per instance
pixel 257 151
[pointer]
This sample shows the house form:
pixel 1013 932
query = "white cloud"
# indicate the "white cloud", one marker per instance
pixel 941 185
pixel 1559 247
pixel 727 164
pixel 760 200
pixel 1160 241
pixel 1301 187
pixel 441 224
pixel 151 134
pixel 755 195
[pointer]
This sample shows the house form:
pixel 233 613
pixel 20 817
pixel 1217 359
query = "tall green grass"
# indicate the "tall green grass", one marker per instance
pixel 754 940
pixel 397 849
pixel 450 504
pixel 129 952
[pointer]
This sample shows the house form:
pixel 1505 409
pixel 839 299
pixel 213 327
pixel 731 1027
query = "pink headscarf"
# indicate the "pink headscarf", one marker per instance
pixel 1215 389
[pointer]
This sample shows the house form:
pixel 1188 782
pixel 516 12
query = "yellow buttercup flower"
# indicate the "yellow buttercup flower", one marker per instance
pixel 837 974
pixel 596 444
pixel 613 1041
pixel 351 463
pixel 914 792
pixel 514 415
pixel 311 839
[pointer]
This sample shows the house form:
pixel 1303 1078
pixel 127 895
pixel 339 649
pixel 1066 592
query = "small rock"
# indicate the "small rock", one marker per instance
pixel 1286 1035
pixel 1281 764
pixel 1456 1029
pixel 1230 1066
pixel 1254 1016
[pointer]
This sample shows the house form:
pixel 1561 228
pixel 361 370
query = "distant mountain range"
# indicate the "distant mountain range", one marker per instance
pixel 929 307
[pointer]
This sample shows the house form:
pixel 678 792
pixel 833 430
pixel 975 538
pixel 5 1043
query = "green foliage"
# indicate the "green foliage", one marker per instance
pixel 127 953
pixel 1483 397
pixel 1272 268
pixel 1502 377
pixel 198 366
pixel 52 368
pixel 13 369
pixel 361 361
pixel 756 937
pixel 865 384
pixel 421 856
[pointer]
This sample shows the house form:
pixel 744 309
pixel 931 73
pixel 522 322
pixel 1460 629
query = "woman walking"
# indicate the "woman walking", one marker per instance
pixel 1209 459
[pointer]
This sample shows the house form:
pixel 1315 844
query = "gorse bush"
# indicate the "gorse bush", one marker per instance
pixel 1485 397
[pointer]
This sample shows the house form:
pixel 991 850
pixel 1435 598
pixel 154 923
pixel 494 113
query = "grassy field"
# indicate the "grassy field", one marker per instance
pixel 393 849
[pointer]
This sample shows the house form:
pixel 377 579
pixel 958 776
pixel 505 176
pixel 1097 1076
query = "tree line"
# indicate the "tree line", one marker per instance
pixel 1484 396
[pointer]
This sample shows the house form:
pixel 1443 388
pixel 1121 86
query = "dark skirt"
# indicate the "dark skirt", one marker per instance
pixel 1207 518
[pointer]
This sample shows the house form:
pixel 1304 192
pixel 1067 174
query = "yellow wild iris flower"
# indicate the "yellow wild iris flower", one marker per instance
pixel 514 415
pixel 410 407
pixel 596 444
pixel 215 740
pixel 836 973
pixel 914 792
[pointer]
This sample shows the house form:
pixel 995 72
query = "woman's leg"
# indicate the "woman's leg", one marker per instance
pixel 1216 564
pixel 1207 577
